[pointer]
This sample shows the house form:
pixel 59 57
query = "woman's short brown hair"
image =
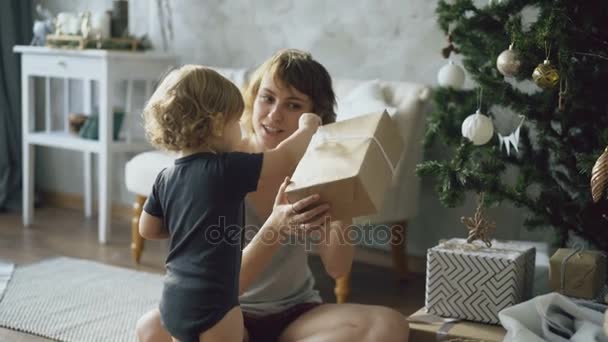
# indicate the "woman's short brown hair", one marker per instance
pixel 297 69
pixel 190 104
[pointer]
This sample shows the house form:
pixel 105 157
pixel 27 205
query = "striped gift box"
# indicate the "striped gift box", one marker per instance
pixel 474 282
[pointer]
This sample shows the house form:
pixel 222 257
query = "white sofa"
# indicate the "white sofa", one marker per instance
pixel 407 102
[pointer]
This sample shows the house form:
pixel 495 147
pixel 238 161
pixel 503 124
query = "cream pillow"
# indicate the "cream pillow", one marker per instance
pixel 366 98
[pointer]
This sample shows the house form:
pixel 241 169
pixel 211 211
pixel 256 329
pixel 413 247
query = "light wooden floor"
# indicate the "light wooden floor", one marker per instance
pixel 66 232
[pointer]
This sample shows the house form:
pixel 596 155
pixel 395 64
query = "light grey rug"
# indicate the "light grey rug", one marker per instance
pixel 6 271
pixel 78 300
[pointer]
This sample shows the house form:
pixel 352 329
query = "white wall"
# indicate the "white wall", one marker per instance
pixel 389 39
pixel 366 39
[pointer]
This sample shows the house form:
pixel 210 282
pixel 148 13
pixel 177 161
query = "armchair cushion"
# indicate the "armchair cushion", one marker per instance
pixel 411 103
pixel 141 171
pixel 368 97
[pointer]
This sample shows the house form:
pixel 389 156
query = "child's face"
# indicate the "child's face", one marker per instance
pixel 276 111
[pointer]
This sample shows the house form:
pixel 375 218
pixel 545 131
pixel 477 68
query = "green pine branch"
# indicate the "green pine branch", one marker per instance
pixel 557 148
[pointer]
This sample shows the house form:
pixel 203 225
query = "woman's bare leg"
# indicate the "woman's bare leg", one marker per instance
pixel 348 323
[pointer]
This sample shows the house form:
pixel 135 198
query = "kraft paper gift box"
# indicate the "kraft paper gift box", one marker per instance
pixel 475 282
pixel 585 273
pixel 350 164
pixel 425 327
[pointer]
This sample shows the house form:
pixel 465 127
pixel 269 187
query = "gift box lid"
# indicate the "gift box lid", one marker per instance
pixel 578 257
pixel 509 250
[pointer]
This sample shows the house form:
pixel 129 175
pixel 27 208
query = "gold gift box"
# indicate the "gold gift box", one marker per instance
pixel 585 273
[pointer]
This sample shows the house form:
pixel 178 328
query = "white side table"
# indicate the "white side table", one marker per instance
pixel 107 68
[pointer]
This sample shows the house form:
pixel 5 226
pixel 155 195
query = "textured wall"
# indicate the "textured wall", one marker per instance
pixel 386 39
pixel 389 39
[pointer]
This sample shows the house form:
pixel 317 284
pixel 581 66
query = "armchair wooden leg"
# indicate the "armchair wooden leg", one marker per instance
pixel 398 249
pixel 137 242
pixel 342 289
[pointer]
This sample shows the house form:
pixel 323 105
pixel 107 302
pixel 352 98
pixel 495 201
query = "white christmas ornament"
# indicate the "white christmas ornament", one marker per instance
pixel 511 140
pixel 451 76
pixel 478 128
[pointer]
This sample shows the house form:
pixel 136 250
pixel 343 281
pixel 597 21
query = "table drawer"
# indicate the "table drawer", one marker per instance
pixel 63 66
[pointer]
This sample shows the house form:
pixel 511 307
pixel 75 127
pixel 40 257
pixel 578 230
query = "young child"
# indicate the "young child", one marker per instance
pixel 198 202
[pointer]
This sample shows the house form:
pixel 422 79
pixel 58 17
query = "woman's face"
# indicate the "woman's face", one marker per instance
pixel 276 111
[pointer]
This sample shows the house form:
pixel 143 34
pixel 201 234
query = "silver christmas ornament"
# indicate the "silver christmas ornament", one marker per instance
pixel 508 62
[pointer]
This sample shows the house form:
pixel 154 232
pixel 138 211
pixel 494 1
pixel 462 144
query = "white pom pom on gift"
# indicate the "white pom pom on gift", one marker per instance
pixel 451 76
pixel 478 128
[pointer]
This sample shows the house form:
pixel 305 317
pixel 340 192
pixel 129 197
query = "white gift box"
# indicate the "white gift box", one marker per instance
pixel 474 282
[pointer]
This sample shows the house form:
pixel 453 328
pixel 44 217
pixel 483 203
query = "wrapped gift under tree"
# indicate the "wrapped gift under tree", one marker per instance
pixel 577 273
pixel 425 327
pixel 474 280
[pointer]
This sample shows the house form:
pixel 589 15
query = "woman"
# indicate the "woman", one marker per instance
pixel 278 297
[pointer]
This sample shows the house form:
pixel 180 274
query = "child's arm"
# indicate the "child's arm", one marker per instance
pixel 151 227
pixel 284 158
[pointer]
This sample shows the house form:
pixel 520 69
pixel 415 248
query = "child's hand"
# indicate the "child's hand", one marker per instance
pixel 300 217
pixel 309 120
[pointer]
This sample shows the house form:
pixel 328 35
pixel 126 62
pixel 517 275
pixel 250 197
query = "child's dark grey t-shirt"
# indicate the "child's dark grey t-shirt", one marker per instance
pixel 200 200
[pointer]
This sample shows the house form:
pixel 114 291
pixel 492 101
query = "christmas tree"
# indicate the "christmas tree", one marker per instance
pixel 563 128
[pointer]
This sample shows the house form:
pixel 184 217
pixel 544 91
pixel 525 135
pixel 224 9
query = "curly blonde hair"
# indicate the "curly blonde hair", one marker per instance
pixel 190 105
pixel 298 69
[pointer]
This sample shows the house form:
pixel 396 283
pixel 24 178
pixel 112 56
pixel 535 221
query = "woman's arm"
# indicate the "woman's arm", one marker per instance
pixel 303 215
pixel 256 256
pixel 151 227
pixel 336 250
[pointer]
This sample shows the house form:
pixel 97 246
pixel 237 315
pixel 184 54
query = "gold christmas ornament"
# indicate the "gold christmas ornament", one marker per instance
pixel 599 176
pixel 545 75
pixel 508 62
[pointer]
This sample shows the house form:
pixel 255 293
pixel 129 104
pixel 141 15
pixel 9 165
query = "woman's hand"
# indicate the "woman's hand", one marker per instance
pixel 300 217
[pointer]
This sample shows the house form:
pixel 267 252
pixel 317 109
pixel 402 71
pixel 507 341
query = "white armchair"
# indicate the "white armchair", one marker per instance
pixel 408 103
